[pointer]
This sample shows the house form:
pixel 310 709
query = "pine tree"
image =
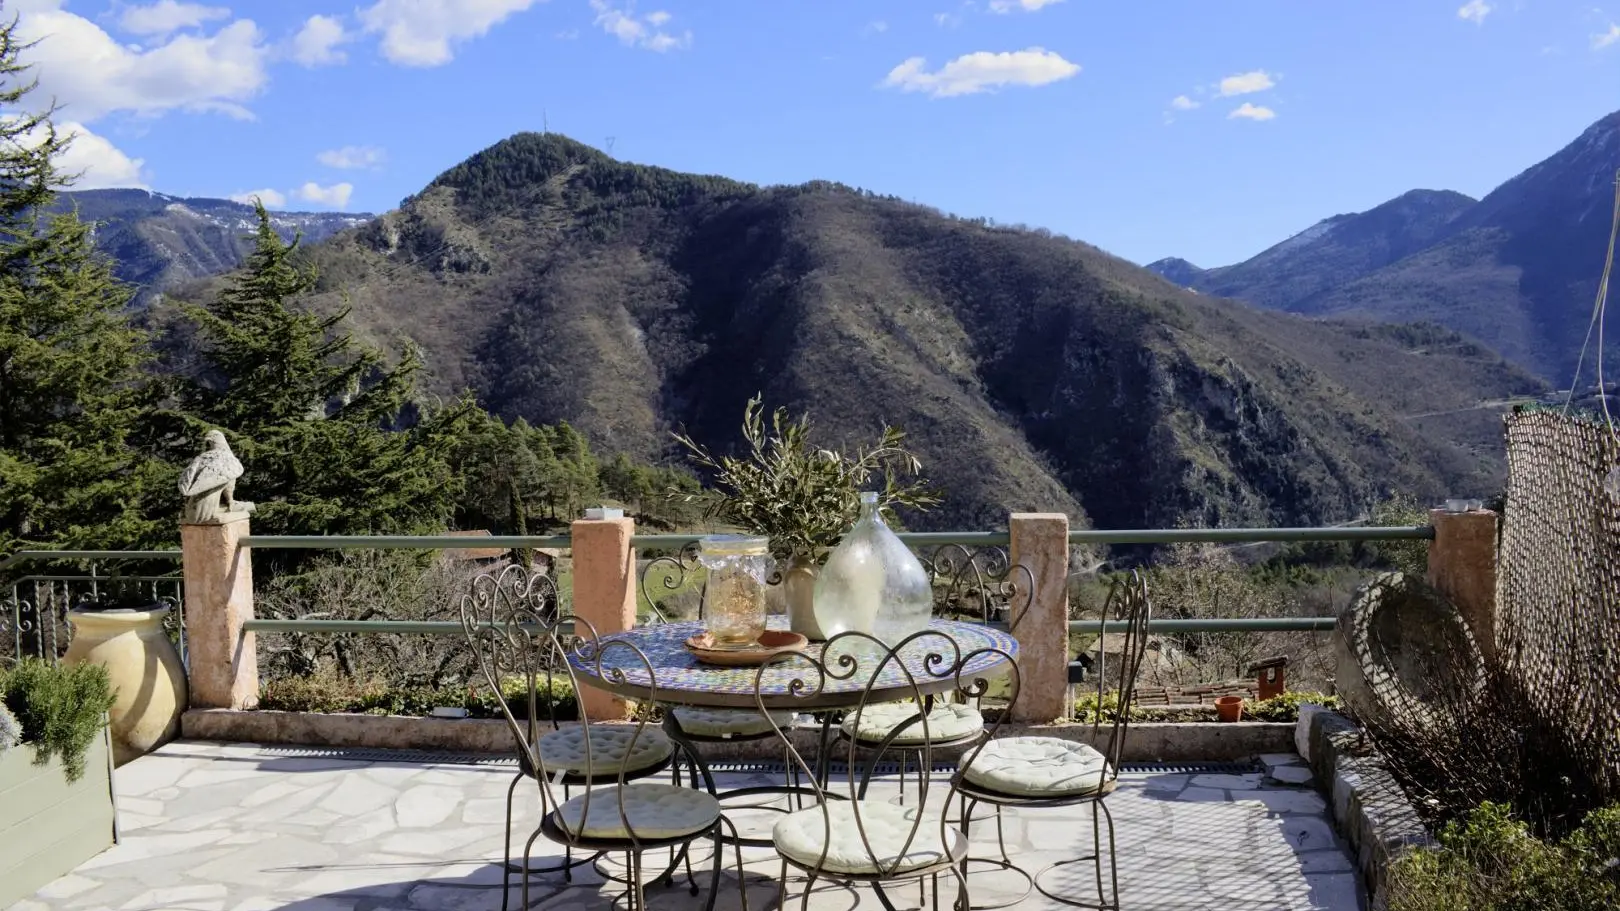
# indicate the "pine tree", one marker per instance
pixel 70 363
pixel 331 436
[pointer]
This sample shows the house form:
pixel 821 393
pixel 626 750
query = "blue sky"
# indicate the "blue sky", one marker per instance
pixel 1057 113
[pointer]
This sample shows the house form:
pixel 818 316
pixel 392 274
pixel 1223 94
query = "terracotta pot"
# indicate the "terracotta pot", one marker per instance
pixel 147 677
pixel 1229 708
pixel 799 590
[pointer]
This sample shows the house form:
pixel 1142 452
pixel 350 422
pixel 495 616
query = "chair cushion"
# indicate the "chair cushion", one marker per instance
pixel 1037 767
pixel 702 722
pixel 654 811
pixel 946 721
pixel 564 750
pixel 799 836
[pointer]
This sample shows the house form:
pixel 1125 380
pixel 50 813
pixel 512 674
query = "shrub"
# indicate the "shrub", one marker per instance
pixel 10 731
pixel 370 585
pixel 1489 861
pixel 1464 746
pixel 1286 706
pixel 333 694
pixel 60 709
pixel 1092 708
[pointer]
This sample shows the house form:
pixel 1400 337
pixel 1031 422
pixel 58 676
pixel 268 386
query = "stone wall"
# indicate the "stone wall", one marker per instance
pixel 1146 742
pixel 1369 807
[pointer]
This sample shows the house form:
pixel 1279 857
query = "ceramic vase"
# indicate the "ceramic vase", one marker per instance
pixel 148 679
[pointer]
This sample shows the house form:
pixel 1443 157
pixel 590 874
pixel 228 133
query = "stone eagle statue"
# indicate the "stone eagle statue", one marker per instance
pixel 209 483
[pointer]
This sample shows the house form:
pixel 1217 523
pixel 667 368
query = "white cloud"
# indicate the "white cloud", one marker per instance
pixel 336 195
pixel 91 161
pixel 167 16
pixel 423 32
pixel 947 20
pixel 875 28
pixel 1183 103
pixel 1474 11
pixel 92 74
pixel 1607 39
pixel 1028 6
pixel 316 43
pixel 982 71
pixel 1247 111
pixel 272 199
pixel 352 157
pixel 646 32
pixel 1246 83
pixel 96 160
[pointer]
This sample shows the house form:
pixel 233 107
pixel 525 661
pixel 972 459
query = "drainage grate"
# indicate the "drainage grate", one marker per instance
pixel 1199 768
pixel 758 767
pixel 368 754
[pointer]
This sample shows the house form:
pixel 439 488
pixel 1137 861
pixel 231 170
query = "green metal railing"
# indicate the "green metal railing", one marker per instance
pixel 913 539
pixel 61 556
pixel 453 628
pixel 677 542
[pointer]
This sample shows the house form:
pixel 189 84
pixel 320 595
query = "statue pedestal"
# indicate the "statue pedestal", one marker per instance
pixel 223 656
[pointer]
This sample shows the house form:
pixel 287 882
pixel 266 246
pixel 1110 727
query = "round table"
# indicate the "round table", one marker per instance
pixel 679 679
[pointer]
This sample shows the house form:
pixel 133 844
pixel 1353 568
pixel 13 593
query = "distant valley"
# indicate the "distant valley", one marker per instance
pixel 1516 270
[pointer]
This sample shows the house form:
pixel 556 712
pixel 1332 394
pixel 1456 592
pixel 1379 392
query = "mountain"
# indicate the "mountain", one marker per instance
pixel 1177 270
pixel 1031 372
pixel 1332 252
pixel 160 241
pixel 1517 270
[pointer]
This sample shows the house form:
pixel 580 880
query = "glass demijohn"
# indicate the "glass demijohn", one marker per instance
pixel 872 583
pixel 734 595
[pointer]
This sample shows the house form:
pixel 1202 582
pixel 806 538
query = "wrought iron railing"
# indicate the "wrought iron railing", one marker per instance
pixel 34 612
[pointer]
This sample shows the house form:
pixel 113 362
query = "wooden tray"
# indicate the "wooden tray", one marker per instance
pixel 771 643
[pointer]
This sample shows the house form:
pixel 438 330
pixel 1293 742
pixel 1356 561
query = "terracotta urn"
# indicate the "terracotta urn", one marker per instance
pixel 148 680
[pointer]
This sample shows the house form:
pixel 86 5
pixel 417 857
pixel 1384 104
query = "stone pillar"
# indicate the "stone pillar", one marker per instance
pixel 1462 566
pixel 604 594
pixel 223 657
pixel 1040 544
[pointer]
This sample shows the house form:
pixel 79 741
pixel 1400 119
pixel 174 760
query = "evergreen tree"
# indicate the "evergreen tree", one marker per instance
pixel 70 363
pixel 329 434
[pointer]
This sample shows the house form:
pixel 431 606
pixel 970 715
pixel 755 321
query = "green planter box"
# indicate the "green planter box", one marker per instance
pixel 49 826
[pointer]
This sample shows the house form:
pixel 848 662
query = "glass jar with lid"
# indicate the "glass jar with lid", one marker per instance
pixel 734 594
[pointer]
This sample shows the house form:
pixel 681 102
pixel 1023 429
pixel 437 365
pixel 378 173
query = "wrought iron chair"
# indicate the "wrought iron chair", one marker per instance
pixel 848 837
pixel 520 641
pixel 1035 773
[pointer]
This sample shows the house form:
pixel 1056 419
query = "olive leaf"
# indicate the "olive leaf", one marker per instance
pixel 801 497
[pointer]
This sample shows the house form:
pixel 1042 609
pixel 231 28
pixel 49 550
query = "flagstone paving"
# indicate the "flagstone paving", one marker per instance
pixel 210 827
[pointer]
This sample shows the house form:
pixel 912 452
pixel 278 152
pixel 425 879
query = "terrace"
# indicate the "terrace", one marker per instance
pixel 262 809
pixel 207 827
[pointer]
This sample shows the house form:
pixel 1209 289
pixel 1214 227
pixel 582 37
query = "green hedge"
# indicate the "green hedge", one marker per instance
pixel 1286 706
pixel 1489 861
pixel 332 694
pixel 60 708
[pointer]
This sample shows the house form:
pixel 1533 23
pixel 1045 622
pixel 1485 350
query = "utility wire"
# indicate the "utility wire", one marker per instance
pixel 1599 308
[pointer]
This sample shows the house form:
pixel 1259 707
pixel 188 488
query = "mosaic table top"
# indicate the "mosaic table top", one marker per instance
pixel 682 680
